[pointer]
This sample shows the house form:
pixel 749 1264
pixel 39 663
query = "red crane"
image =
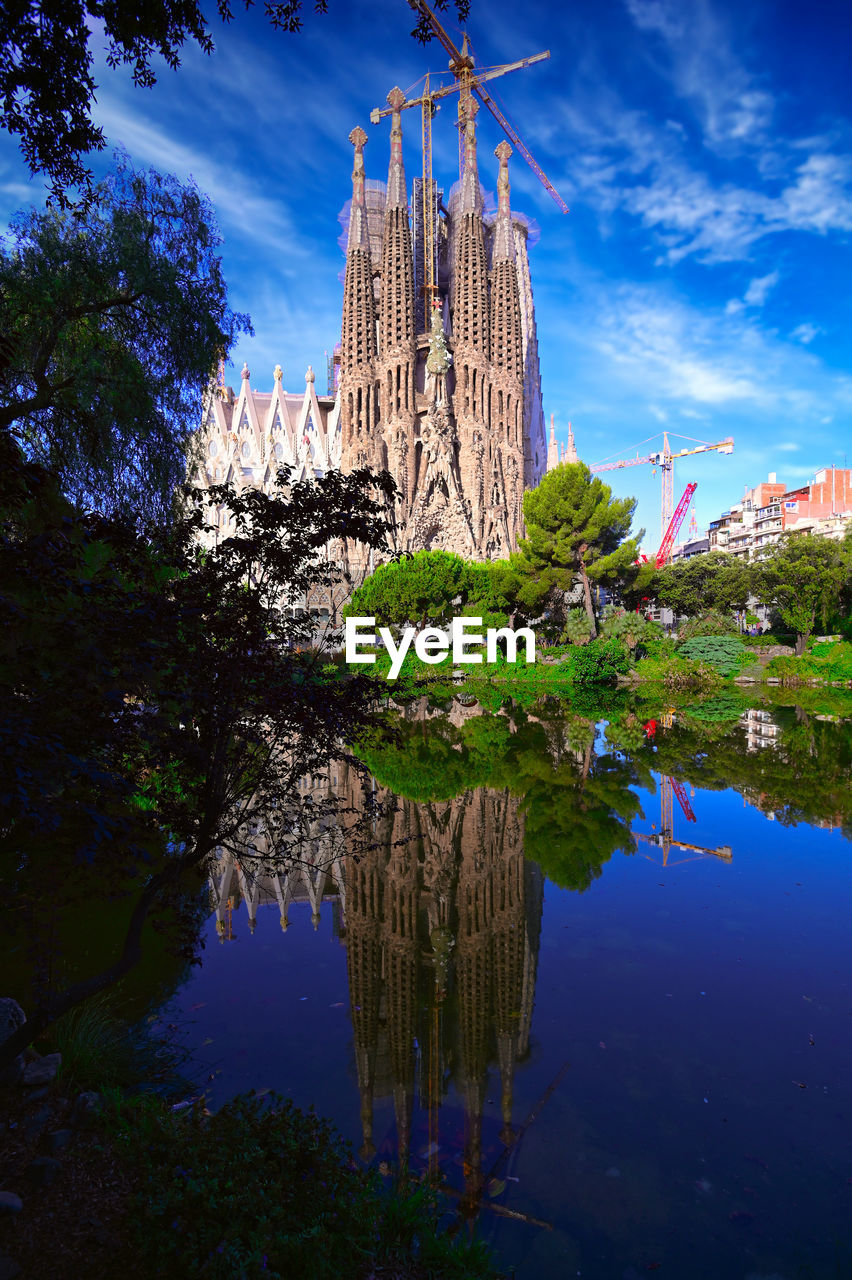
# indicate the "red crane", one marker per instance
pixel 674 525
pixel 665 460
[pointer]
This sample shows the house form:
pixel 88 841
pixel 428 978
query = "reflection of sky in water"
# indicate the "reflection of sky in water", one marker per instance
pixel 684 999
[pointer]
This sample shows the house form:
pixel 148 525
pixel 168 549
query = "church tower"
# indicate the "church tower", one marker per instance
pixel 397 336
pixel 359 407
pixel 450 404
pixel 504 510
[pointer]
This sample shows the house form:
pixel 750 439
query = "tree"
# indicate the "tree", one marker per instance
pixel 575 526
pixel 714 581
pixel 156 706
pixel 428 586
pixel 112 324
pixel 804 577
pixel 46 82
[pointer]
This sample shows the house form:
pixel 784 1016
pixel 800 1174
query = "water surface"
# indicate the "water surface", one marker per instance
pixel 594 972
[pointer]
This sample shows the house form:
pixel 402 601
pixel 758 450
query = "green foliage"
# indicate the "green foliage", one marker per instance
pixel 101 1050
pixel 676 672
pixel 435 762
pixel 802 777
pixel 709 583
pixel 831 661
pixel 600 662
pixel 413 590
pixel 576 629
pixel 575 526
pixel 435 586
pixel 712 623
pixel 632 628
pixel 154 700
pixel 804 576
pixel 726 654
pixel 265 1191
pixel 719 710
pixel 112 321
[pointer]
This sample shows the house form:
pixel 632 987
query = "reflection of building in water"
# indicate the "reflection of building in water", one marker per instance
pixel 760 728
pixel 441 916
pixel 442 924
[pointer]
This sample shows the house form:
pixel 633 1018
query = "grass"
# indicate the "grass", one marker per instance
pixel 102 1050
pixel 262 1190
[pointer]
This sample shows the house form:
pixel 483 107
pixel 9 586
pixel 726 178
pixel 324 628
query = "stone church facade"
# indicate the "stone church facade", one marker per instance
pixel 443 391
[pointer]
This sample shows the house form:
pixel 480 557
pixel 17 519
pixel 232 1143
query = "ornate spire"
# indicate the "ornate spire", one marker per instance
pixel 359 236
pixel 471 196
pixel 396 307
pixel 552 448
pixel 471 313
pixel 504 240
pixel 507 342
pixel 359 316
pixel 571 451
pixel 396 172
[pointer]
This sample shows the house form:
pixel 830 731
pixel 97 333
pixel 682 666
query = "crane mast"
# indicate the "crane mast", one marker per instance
pixel 665 460
pixel 426 101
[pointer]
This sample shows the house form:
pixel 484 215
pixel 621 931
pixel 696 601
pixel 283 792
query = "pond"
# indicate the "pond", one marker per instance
pixel 592 969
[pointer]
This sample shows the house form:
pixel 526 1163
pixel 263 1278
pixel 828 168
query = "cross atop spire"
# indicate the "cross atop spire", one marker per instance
pixel 359 237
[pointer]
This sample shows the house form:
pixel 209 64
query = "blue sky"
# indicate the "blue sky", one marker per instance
pixel 700 283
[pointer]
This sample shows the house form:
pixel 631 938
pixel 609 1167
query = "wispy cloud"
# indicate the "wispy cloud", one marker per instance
pixel 731 103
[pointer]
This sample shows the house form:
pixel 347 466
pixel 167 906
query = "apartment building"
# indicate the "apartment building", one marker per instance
pixel 749 527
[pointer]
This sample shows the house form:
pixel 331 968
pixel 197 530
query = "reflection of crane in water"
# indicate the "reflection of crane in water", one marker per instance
pixel 664 838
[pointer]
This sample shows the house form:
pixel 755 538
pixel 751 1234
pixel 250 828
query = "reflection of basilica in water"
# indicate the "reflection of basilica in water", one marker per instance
pixel 440 913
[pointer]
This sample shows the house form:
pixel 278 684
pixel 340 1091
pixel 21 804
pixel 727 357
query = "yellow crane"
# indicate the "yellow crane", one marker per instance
pixel 466 80
pixel 665 459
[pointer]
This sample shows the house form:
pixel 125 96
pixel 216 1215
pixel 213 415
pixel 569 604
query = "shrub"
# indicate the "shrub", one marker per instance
pixel 600 662
pixel 826 661
pixel 631 628
pixel 271 1191
pixel 102 1050
pixel 678 673
pixel 576 629
pixel 713 623
pixel 725 654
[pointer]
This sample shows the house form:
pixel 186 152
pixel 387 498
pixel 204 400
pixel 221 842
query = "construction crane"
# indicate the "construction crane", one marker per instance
pixel 669 788
pixel 465 80
pixel 674 525
pixel 426 101
pixel 664 838
pixel 462 67
pixel 665 460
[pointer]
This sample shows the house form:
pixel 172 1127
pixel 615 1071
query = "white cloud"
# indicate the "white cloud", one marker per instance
pixel 789 446
pixel 805 332
pixel 756 293
pixel 732 105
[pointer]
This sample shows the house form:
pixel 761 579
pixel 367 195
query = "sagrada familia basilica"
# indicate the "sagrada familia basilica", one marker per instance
pixel 439 384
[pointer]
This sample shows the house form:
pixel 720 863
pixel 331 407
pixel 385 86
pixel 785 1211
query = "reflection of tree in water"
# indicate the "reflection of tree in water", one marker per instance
pixel 440 908
pixel 801 774
pixel 443 914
